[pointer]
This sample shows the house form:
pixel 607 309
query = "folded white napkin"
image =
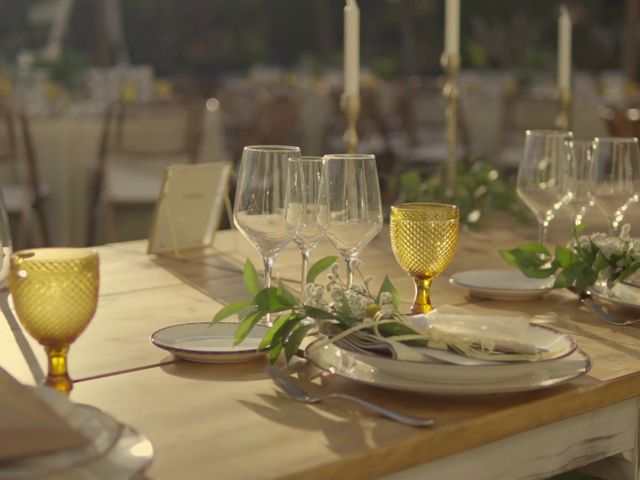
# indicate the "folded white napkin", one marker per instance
pixel 489 337
pixel 28 426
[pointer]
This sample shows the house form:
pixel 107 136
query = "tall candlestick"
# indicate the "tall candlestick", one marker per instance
pixel 351 49
pixel 452 27
pixel 564 49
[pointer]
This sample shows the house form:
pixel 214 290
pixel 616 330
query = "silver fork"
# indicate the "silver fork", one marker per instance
pixel 603 314
pixel 291 388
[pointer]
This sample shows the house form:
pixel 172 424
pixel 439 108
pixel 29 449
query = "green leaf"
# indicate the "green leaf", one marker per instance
pixel 564 256
pixel 268 300
pixel 250 278
pixel 267 340
pixel 274 353
pixel 319 267
pixel 600 262
pixel 318 313
pixel 283 292
pixel 567 277
pixel 231 309
pixel 387 286
pixel 246 325
pixel 295 339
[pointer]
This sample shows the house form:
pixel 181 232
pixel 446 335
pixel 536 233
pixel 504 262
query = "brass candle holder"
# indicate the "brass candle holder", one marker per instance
pixel 563 119
pixel 351 107
pixel 450 92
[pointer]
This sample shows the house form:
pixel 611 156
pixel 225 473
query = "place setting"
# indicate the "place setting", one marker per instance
pixel 342 326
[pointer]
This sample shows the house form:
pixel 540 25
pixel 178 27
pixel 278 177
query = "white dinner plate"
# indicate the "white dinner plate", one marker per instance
pixel 206 343
pixel 502 284
pixel 621 294
pixel 359 368
pixel 115 451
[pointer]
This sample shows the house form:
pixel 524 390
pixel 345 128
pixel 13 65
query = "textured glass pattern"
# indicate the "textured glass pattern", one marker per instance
pixel 424 239
pixel 55 292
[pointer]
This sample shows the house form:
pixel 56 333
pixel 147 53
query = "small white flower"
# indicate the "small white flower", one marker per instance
pixel 355 263
pixel 611 246
pixel 385 299
pixel 368 280
pixel 335 269
pixel 386 309
pixel 625 232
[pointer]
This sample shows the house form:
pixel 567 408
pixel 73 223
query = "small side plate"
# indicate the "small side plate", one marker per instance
pixel 502 284
pixel 206 343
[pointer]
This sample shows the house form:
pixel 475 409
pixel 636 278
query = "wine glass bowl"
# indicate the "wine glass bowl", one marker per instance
pixel 55 293
pixel 424 237
pixel 349 206
pixel 614 177
pixel 541 184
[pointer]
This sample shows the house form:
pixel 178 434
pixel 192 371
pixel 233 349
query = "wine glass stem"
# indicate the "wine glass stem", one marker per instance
pixel 268 265
pixel 347 260
pixel 57 376
pixel 303 279
pixel 542 232
pixel 422 302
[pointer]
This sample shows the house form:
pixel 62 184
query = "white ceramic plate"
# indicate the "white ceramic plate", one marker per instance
pixel 115 451
pixel 502 284
pixel 357 368
pixel 622 294
pixel 206 343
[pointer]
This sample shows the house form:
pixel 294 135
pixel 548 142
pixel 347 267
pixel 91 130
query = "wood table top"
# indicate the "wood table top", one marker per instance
pixel 232 421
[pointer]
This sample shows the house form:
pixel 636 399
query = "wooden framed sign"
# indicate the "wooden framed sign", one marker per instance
pixel 191 203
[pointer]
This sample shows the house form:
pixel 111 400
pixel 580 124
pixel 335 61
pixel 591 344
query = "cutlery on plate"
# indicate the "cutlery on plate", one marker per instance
pixel 588 302
pixel 291 388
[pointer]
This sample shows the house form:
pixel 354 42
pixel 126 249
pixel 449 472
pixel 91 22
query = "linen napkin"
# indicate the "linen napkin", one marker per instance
pixel 488 337
pixel 28 426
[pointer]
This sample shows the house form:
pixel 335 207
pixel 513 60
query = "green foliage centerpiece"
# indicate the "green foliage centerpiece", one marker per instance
pixel 347 309
pixel 588 260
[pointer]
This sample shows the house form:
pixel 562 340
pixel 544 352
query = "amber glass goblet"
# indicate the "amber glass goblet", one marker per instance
pixel 55 293
pixel 424 238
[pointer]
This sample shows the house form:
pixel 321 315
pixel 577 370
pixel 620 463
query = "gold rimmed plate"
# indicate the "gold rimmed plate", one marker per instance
pixel 206 343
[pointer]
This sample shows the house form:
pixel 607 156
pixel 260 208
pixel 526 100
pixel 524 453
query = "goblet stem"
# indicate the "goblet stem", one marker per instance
pixel 57 376
pixel 542 231
pixel 303 280
pixel 422 302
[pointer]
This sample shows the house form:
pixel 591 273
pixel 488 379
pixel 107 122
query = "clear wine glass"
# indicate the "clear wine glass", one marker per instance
pixel 259 209
pixel 614 177
pixel 349 208
pixel 577 178
pixel 302 208
pixel 541 184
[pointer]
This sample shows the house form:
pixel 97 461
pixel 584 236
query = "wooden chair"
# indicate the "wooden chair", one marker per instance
pixel 138 141
pixel 422 110
pixel 24 195
pixel 522 110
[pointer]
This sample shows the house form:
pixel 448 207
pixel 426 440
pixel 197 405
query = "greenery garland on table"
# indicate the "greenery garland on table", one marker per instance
pixel 589 259
pixel 353 308
pixel 478 190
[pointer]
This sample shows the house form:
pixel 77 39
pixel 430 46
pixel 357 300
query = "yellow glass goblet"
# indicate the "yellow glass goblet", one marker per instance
pixel 424 238
pixel 55 293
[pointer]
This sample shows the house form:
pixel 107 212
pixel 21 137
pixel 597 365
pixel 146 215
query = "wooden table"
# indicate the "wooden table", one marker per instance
pixel 209 421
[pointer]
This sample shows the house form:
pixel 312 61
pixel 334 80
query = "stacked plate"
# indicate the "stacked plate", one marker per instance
pixel 563 363
pixel 624 295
